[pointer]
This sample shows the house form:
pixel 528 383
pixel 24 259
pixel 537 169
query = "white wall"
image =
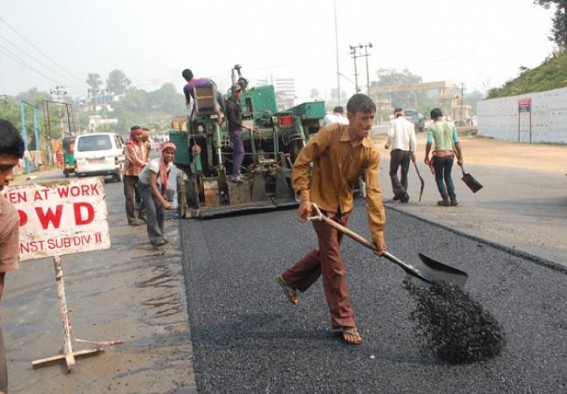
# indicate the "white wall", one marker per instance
pixel 499 118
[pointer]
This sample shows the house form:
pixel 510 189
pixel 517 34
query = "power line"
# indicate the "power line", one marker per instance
pixel 33 59
pixel 15 58
pixel 40 51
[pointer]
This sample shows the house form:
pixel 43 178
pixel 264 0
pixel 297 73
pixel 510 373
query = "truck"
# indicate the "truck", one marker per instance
pixel 204 152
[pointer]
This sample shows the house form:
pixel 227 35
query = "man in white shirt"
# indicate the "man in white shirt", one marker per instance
pixel 402 139
pixel 336 117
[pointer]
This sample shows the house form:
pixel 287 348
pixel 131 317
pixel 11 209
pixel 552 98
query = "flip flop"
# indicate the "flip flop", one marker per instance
pixel 349 335
pixel 289 291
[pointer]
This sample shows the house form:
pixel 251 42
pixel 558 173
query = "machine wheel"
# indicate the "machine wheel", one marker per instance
pixel 118 177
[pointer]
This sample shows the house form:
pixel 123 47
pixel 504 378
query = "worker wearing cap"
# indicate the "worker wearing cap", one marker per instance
pixel 235 126
pixel 153 188
pixel 402 139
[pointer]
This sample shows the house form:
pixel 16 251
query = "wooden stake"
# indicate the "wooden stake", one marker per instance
pixel 68 354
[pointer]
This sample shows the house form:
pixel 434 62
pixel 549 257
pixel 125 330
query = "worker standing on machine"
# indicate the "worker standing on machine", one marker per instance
pixel 336 157
pixel 189 94
pixel 235 126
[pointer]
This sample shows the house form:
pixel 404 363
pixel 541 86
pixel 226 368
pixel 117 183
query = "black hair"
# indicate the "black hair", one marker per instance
pixel 11 142
pixel 360 103
pixel 187 74
pixel 338 109
pixel 436 113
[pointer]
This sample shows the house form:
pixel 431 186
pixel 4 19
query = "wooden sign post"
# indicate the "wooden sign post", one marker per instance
pixel 59 218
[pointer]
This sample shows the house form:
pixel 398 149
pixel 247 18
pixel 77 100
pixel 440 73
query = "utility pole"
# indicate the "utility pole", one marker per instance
pixel 58 93
pixel 462 98
pixel 354 56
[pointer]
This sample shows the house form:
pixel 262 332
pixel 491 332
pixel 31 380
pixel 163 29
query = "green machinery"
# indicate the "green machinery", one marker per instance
pixel 204 153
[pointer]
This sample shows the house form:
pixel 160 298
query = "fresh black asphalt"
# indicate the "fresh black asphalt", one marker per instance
pixel 247 338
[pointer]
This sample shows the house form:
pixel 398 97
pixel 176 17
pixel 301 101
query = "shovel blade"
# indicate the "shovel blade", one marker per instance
pixel 436 272
pixel 472 183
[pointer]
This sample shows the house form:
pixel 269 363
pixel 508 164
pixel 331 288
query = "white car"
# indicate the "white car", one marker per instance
pixel 100 154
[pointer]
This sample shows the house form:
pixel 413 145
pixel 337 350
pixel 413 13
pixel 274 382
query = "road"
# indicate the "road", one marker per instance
pixel 205 314
pixel 129 292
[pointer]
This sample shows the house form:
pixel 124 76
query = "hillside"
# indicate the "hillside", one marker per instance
pixel 551 74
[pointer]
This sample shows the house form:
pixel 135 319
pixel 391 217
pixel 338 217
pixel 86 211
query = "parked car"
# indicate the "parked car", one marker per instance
pixel 99 154
pixel 416 118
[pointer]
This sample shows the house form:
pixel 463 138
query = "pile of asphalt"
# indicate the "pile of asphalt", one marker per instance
pixel 247 337
pixel 455 328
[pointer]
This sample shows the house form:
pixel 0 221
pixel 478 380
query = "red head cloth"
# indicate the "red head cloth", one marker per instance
pixel 136 131
pixel 166 145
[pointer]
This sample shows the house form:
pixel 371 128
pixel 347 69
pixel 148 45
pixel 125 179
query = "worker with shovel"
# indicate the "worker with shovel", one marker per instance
pixel 444 135
pixel 338 154
pixel 401 137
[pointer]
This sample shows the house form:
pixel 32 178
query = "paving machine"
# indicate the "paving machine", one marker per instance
pixel 204 152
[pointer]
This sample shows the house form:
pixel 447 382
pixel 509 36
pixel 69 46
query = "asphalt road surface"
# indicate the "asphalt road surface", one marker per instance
pixel 205 314
pixel 247 338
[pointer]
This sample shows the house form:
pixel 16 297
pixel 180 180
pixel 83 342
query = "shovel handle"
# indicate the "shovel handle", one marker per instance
pixel 361 240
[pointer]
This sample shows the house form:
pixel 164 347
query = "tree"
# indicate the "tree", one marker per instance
pixel 559 29
pixel 117 82
pixel 94 82
pixel 406 99
pixel 314 94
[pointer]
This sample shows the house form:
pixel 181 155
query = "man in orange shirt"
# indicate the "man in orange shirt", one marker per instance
pixel 11 151
pixel 339 155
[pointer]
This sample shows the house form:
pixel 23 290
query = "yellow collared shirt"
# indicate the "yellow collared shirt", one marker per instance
pixel 337 167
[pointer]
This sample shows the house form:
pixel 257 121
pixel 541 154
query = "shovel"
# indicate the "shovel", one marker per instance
pixel 472 183
pixel 427 272
pixel 421 180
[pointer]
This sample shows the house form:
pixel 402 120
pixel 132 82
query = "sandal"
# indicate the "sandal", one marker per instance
pixel 289 291
pixel 349 335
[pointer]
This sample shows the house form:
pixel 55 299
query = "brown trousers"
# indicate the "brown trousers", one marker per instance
pixel 326 261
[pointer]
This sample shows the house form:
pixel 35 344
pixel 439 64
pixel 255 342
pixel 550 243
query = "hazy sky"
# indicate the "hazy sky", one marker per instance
pixel 481 43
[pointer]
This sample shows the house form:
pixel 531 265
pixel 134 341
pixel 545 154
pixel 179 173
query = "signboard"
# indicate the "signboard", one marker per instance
pixel 61 217
pixel 525 105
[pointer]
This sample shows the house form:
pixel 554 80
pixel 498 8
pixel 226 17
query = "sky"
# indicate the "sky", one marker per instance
pixel 480 44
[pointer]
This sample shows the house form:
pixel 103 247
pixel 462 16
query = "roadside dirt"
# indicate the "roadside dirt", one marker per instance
pixel 482 150
pixel 523 204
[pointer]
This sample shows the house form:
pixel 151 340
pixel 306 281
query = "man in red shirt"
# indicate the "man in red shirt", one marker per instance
pixel 135 162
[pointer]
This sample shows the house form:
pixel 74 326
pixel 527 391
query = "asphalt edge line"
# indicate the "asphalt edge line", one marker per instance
pixel 515 252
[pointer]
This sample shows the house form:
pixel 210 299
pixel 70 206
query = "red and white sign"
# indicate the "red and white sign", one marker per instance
pixel 61 217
